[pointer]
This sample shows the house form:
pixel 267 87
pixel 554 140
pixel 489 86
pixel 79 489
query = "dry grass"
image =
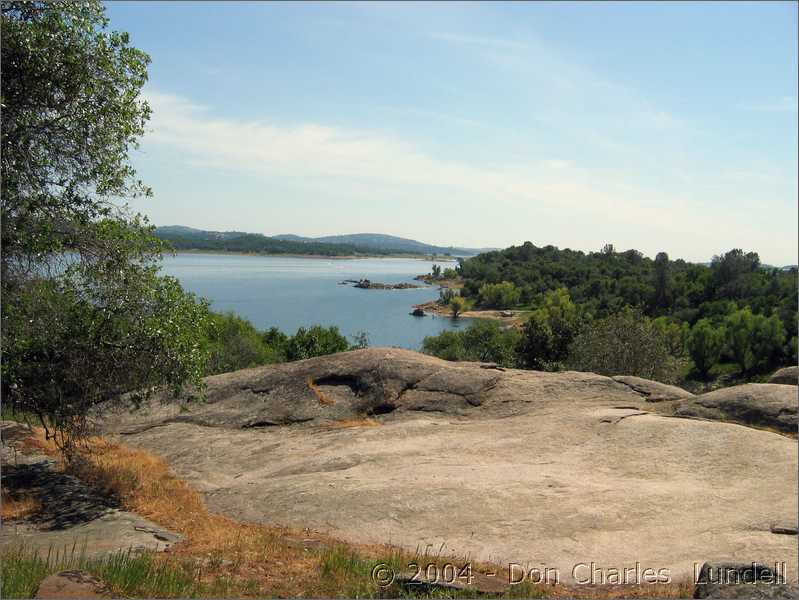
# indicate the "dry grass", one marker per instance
pixel 18 506
pixel 320 395
pixel 259 560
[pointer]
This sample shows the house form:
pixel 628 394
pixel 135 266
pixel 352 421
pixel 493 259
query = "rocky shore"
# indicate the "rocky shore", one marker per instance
pixel 366 284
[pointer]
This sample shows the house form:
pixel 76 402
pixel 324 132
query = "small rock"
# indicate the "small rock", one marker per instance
pixel 72 584
pixel 159 534
pixel 418 312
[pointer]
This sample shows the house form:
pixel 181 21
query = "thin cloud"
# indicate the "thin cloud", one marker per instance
pixel 383 169
pixel 473 40
pixel 784 104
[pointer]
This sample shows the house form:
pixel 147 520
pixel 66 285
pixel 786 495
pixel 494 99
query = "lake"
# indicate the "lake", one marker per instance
pixel 289 292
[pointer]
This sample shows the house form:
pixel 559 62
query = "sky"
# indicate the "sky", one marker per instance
pixel 656 126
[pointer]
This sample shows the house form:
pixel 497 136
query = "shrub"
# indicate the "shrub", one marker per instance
pixel 456 305
pixel 483 341
pixel 626 343
pixel 739 327
pixel 315 341
pixel 705 344
pixel 768 338
pixel 236 344
pixel 498 295
pixel 549 332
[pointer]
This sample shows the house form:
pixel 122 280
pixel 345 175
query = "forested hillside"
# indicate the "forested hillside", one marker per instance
pixel 183 238
pixel 732 314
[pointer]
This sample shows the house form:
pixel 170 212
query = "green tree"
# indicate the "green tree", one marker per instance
pixel 436 272
pixel 236 344
pixel 739 327
pixel 315 341
pixel 457 304
pixel 277 341
pixel 626 343
pixel 499 295
pixel 549 331
pixel 662 282
pixel 705 344
pixel 483 341
pixel 768 338
pixel 674 332
pixel 85 316
pixel 447 345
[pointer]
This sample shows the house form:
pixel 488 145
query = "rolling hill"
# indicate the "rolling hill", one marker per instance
pixel 188 238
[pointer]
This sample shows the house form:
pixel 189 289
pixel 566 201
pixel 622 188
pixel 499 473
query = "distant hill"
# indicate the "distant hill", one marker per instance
pixel 383 241
pixel 188 238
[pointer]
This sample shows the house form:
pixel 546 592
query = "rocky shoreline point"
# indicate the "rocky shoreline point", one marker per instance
pixel 366 284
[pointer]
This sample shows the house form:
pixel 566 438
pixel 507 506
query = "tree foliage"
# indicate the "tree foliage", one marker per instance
pixel 85 315
pixel 705 344
pixel 315 341
pixel 626 343
pixel 679 294
pixel 482 341
pixel 457 304
pixel 549 332
pixel 498 295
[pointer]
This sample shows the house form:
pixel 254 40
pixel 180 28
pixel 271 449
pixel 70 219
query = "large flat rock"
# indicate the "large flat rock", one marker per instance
pixel 540 469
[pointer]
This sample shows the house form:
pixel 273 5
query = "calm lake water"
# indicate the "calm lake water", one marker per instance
pixel 292 292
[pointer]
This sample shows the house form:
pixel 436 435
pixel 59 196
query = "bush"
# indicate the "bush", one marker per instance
pixel 457 304
pixel 315 341
pixel 738 327
pixel 483 341
pixel 626 343
pixel 550 331
pixel 705 344
pixel 236 344
pixel 498 295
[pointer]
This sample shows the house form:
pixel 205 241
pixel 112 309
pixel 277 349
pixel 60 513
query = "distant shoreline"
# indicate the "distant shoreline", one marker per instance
pixel 421 257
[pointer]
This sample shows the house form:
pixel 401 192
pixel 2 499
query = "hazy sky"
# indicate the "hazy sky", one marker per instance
pixel 653 126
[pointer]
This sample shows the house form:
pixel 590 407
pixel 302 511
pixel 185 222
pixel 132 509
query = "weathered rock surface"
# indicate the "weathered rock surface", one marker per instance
pixel 786 376
pixel 653 391
pixel 68 585
pixel 756 404
pixel 540 469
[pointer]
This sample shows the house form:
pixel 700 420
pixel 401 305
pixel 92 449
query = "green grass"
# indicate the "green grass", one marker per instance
pixel 347 574
pixel 126 573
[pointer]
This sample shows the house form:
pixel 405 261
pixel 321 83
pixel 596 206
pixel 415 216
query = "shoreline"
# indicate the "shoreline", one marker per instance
pixel 515 319
pixel 420 257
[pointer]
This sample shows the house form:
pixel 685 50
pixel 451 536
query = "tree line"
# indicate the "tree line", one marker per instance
pixel 585 308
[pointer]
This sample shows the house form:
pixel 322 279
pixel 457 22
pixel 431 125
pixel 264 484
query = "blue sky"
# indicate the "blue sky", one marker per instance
pixel 656 126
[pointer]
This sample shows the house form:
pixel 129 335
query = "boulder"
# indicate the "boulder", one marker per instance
pixel 418 312
pixel 743 580
pixel 653 391
pixel 786 376
pixel 755 404
pixel 72 584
